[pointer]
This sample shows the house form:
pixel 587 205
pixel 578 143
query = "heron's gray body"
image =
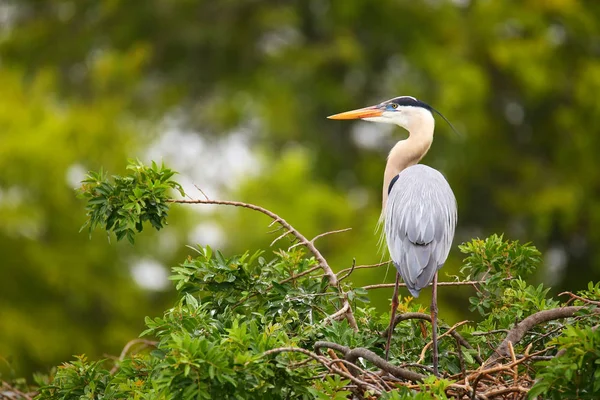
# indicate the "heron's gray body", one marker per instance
pixel 419 221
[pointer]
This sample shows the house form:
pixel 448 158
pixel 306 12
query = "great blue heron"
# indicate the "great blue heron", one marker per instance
pixel 419 207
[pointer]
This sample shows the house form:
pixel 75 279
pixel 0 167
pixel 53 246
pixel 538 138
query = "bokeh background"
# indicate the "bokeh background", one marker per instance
pixel 234 95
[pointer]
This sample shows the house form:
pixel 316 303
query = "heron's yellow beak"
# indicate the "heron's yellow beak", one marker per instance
pixel 366 112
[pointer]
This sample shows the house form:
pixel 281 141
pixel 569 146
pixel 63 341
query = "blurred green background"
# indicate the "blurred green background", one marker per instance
pixel 234 95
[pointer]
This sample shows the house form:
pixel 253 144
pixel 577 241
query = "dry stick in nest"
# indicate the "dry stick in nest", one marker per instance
pixel 427 317
pixel 341 362
pixel 480 373
pixel 352 355
pixel 309 244
pixel 326 363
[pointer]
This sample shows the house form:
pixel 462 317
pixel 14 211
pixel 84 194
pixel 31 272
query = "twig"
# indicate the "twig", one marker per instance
pixel 299 275
pixel 490 332
pixel 493 393
pixel 332 277
pixel 415 365
pixel 363 267
pixel 337 314
pixel 354 379
pixel 430 343
pixel 201 191
pixel 402 284
pixel 329 233
pixel 341 362
pixel 574 296
pixel 504 367
pixel 128 346
pixel 320 236
pixel 284 234
pixel 341 278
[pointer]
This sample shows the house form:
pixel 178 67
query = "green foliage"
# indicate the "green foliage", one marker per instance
pixel 244 327
pixel 502 265
pixel 123 205
pixel 576 373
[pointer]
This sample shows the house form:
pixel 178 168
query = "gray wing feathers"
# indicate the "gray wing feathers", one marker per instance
pixel 420 217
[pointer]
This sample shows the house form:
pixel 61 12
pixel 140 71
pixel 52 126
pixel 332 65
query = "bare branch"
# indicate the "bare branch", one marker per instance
pixel 128 346
pixel 341 278
pixel 343 271
pixel 320 236
pixel 337 314
pixel 332 277
pixel 201 191
pixel 325 362
pixel 278 238
pixel 330 233
pixel 575 297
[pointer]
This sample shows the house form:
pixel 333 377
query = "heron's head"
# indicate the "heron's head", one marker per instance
pixel 404 111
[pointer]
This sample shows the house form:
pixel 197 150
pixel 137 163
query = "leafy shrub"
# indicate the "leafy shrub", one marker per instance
pixel 283 326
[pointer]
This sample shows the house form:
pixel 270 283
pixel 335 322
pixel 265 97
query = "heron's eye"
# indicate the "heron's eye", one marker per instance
pixel 394 106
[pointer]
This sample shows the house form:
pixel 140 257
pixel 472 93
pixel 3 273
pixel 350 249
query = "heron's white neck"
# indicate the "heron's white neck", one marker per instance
pixel 411 150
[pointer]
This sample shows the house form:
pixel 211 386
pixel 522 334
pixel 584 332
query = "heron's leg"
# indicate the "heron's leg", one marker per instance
pixel 392 316
pixel 434 315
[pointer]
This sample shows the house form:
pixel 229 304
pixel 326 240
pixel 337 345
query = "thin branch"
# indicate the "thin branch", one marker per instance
pixel 430 343
pixel 415 365
pixel 574 296
pixel 341 278
pixel 341 362
pixel 402 284
pixel 332 277
pixel 330 233
pixel 299 275
pixel 128 346
pixel 354 379
pixel 337 314
pixel 201 191
pixel 363 267
pixel 490 332
pixel 320 236
pixel 278 238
